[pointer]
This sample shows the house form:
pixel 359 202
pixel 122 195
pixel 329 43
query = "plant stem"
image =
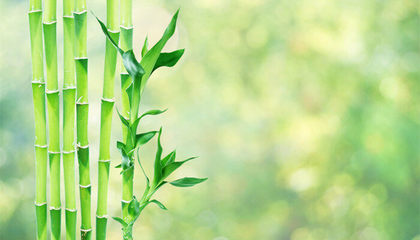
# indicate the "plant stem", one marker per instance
pixel 82 108
pixel 69 107
pixel 38 93
pixel 126 43
pixel 52 92
pixel 106 119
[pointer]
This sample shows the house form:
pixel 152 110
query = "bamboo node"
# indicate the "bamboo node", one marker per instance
pixel 71 210
pixel 55 208
pixel 113 31
pixel 79 13
pixel 41 146
pixel 68 16
pixel 86 230
pixel 51 91
pixel 82 186
pixel 80 58
pixel 83 147
pixel 69 152
pixel 52 152
pixel 35 11
pixel 106 160
pixel 125 201
pixel 40 204
pixel 38 82
pixel 69 88
pixel 103 216
pixel 108 99
pixel 50 23
pixel 127 28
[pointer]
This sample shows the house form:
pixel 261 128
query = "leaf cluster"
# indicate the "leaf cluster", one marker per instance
pixel 140 72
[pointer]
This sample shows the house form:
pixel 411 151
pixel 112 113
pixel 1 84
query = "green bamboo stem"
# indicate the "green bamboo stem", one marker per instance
pixel 82 108
pixel 69 107
pixel 38 93
pixel 126 43
pixel 106 119
pixel 53 106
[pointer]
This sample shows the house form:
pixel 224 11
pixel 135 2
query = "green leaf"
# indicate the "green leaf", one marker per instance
pixel 120 145
pixel 144 172
pixel 124 224
pixel 129 91
pixel 131 64
pixel 159 204
pixel 123 119
pixel 152 112
pixel 134 209
pixel 105 30
pixel 143 138
pixel 126 162
pixel 168 59
pixel 187 182
pixel 149 60
pixel 169 158
pixel 145 47
pixel 158 166
pixel 171 167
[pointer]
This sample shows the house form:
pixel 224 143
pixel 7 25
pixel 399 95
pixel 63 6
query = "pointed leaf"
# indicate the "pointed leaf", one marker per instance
pixel 131 64
pixel 144 172
pixel 152 112
pixel 105 30
pixel 187 182
pixel 158 166
pixel 171 167
pixel 134 208
pixel 159 204
pixel 123 119
pixel 143 138
pixel 168 59
pixel 124 224
pixel 149 60
pixel 169 158
pixel 145 47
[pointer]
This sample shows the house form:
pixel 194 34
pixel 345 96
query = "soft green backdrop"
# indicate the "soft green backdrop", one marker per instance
pixel 306 115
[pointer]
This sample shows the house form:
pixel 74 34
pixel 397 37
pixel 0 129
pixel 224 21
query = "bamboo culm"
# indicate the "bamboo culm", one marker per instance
pixel 126 43
pixel 38 93
pixel 82 108
pixel 69 107
pixel 107 105
pixel 52 93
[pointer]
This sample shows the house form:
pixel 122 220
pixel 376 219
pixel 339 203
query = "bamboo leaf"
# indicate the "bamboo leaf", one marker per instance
pixel 149 60
pixel 131 64
pixel 105 30
pixel 159 204
pixel 134 209
pixel 169 158
pixel 145 47
pixel 144 173
pixel 158 166
pixel 124 224
pixel 152 112
pixel 171 167
pixel 187 182
pixel 123 119
pixel 143 138
pixel 168 59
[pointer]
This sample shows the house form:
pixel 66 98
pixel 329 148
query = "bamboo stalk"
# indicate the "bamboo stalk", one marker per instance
pixel 38 93
pixel 69 107
pixel 126 43
pixel 107 105
pixel 82 108
pixel 53 104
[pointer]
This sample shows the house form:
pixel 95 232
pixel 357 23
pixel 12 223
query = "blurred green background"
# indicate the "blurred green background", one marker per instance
pixel 305 115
